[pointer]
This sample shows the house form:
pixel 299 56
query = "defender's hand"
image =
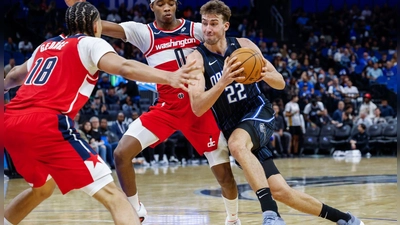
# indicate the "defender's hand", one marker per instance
pixel 183 76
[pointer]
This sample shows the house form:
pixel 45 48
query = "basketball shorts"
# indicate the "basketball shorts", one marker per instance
pixel 147 138
pixel 173 112
pixel 44 144
pixel 260 126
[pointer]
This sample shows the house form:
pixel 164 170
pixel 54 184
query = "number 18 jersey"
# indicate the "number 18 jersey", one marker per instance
pixel 62 73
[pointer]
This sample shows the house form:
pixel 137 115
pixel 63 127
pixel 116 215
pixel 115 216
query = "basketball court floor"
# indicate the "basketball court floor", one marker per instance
pixel 189 195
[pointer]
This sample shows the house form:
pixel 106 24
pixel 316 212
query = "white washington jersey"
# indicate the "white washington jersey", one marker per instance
pixel 164 49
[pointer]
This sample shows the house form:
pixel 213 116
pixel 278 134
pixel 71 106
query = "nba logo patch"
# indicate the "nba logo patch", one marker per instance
pixel 181 95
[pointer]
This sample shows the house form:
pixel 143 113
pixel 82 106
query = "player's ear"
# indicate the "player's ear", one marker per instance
pixel 97 28
pixel 226 26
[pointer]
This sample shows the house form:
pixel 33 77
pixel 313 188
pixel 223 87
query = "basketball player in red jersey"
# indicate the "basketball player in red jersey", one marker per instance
pixel 165 43
pixel 41 139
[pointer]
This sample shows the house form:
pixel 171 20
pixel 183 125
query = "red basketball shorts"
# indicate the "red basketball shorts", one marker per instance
pixel 45 143
pixel 173 114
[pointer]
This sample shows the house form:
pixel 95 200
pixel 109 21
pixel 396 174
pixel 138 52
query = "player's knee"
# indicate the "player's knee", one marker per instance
pixel 125 152
pixel 111 198
pixel 281 192
pixel 118 155
pixel 236 148
pixel 224 175
pixel 46 190
pixel 226 181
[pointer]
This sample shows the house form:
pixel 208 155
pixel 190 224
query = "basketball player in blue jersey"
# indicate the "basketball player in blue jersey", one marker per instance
pixel 246 117
pixel 165 43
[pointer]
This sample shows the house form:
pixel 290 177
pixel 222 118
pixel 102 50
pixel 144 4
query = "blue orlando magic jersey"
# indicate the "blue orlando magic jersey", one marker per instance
pixel 235 103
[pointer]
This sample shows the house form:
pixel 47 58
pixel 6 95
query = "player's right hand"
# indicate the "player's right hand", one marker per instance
pixel 231 71
pixel 183 76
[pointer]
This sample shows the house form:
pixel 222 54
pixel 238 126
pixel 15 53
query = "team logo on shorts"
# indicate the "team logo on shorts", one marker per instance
pixel 211 143
pixel 181 95
pixel 262 128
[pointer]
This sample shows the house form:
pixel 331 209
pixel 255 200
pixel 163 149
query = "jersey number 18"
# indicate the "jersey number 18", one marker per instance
pixel 42 71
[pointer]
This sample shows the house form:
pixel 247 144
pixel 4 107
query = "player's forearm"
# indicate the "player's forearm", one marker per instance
pixel 204 101
pixel 14 78
pixel 112 30
pixel 134 70
pixel 275 80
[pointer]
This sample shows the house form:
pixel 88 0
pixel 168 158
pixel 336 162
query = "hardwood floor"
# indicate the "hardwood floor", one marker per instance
pixel 190 195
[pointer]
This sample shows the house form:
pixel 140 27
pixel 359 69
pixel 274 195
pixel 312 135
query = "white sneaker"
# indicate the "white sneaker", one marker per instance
pixel 173 160
pixel 353 221
pixel 142 212
pixel 232 222
pixel 271 218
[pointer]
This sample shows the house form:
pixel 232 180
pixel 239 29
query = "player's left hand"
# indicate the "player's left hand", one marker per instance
pixel 264 71
pixel 183 76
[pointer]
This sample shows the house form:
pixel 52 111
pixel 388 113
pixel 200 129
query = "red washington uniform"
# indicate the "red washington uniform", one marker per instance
pixel 167 50
pixel 40 134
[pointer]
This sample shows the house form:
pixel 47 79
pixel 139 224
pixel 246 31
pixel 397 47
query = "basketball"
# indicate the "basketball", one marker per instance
pixel 252 62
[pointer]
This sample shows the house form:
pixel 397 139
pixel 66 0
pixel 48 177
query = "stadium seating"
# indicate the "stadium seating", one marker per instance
pixel 341 137
pixel 311 140
pixel 325 137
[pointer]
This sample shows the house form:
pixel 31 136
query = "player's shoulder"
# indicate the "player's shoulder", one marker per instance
pixel 192 23
pixel 57 38
pixel 195 55
pixel 245 42
pixel 89 40
pixel 133 24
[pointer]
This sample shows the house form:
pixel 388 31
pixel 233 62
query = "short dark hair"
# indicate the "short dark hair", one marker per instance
pixel 363 126
pixel 216 7
pixel 80 18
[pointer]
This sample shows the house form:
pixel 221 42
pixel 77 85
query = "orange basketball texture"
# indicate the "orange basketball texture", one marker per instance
pixel 252 63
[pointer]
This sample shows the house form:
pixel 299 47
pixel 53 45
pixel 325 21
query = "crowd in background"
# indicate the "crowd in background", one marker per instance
pixel 330 65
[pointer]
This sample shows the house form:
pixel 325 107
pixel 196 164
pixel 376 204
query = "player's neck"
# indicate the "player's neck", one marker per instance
pixel 218 48
pixel 168 26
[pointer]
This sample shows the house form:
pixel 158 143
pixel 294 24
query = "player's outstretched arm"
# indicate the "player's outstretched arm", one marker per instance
pixel 15 77
pixel 109 28
pixel 113 30
pixel 269 74
pixel 134 70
